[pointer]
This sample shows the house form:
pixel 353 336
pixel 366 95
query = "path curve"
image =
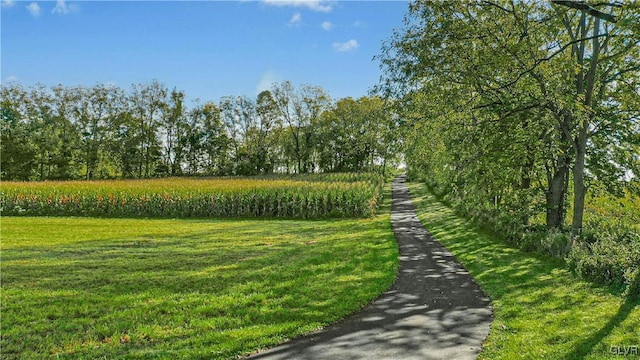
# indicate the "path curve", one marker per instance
pixel 434 310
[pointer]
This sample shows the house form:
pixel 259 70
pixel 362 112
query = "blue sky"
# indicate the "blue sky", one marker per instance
pixel 208 49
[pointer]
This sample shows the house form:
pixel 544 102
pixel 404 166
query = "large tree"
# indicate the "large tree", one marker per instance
pixel 148 101
pixel 512 90
pixel 17 150
pixel 299 110
pixel 352 135
pixel 175 128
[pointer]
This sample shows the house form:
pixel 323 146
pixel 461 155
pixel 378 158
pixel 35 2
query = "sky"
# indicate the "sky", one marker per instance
pixel 208 49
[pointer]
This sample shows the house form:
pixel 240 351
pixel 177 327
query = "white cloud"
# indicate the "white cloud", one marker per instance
pixel 315 5
pixel 346 46
pixel 11 78
pixel 296 20
pixel 359 24
pixel 61 8
pixel 266 81
pixel 327 25
pixel 8 3
pixel 34 9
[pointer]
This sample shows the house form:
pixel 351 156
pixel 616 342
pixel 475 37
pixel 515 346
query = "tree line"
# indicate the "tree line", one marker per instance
pixel 105 131
pixel 514 109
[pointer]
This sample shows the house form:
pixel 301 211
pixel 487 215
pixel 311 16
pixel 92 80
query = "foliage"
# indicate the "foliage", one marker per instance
pixel 515 107
pixel 609 250
pixel 513 111
pixel 299 109
pixel 356 135
pixel 541 309
pixel 133 288
pixel 610 261
pixel 105 132
pixel 313 196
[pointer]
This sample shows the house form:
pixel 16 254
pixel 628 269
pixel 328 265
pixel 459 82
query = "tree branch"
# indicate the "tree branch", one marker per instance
pixel 497 6
pixel 621 72
pixel 541 60
pixel 586 8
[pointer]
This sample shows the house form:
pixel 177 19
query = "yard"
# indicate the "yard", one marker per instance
pixel 104 288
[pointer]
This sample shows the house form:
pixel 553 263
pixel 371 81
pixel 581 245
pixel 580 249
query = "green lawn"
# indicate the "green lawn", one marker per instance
pixel 542 311
pixel 208 289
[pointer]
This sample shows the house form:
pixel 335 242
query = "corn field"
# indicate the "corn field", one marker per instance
pixel 302 197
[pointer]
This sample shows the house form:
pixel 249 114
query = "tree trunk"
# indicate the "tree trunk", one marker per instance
pixel 581 141
pixel 559 180
pixel 555 198
pixel 384 166
pixel 146 162
pixel 579 187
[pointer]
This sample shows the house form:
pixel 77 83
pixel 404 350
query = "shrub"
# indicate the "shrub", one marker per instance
pixel 607 252
pixel 613 260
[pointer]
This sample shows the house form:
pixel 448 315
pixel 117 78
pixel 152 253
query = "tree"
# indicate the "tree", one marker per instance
pixel 355 135
pixel 544 74
pixel 606 57
pixel 106 131
pixel 205 141
pixel 65 159
pixel 299 110
pixel 127 144
pixel 215 142
pixel 245 113
pixel 148 102
pixel 261 144
pixel 231 109
pixel 96 111
pixel 17 151
pixel 42 129
pixel 174 126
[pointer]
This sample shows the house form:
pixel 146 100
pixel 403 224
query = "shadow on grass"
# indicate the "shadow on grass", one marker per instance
pixel 542 310
pixel 434 310
pixel 587 345
pixel 190 291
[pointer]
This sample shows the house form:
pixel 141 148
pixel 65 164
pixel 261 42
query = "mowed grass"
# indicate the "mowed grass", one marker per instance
pixel 542 311
pixel 194 289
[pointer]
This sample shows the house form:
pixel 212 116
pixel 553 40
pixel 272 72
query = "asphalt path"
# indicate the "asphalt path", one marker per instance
pixel 434 310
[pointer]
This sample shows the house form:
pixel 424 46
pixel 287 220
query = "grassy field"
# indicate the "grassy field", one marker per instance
pixel 542 311
pixel 196 289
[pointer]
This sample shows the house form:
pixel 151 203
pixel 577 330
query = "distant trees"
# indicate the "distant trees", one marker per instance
pixel 299 111
pixel 355 135
pixel 515 107
pixel 148 131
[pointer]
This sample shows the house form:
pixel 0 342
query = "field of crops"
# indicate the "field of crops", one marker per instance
pixel 305 197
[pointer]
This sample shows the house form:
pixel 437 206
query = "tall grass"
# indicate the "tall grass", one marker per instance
pixel 312 196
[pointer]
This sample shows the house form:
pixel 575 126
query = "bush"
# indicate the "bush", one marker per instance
pixel 607 252
pixel 610 260
pixel 555 243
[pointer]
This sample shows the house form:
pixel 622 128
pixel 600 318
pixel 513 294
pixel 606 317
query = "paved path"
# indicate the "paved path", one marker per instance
pixel 434 310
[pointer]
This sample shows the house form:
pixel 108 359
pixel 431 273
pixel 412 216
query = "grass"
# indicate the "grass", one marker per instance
pixel 542 311
pixel 197 289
